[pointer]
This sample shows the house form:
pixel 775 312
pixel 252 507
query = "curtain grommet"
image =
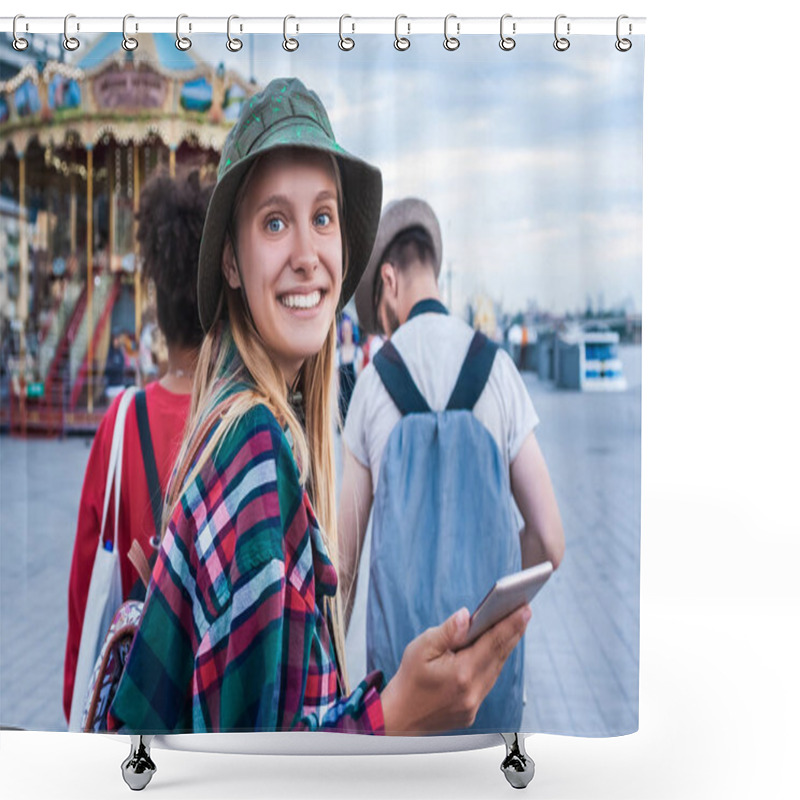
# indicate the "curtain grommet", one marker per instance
pixel 507 43
pixel 70 43
pixel 561 43
pixel 401 42
pixel 451 43
pixel 129 43
pixel 19 44
pixel 183 43
pixel 623 45
pixel 289 43
pixel 233 44
pixel 345 42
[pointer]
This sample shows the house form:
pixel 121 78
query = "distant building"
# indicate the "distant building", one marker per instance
pixel 587 359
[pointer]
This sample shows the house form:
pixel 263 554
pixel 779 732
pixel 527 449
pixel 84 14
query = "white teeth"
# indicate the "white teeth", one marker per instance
pixel 301 300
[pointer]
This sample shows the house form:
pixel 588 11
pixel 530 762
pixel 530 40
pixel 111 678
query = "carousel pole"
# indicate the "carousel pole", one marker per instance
pixel 22 296
pixel 172 150
pixel 112 205
pixel 73 215
pixel 137 286
pixel 89 270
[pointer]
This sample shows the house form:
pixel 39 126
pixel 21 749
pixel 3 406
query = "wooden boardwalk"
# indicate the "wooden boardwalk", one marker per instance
pixel 582 644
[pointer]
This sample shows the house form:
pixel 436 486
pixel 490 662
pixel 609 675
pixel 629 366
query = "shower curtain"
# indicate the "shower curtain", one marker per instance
pixel 530 159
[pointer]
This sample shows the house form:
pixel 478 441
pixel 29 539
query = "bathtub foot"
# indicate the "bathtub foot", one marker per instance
pixel 518 766
pixel 138 768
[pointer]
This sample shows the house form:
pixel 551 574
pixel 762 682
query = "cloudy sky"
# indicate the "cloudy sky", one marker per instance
pixel 531 158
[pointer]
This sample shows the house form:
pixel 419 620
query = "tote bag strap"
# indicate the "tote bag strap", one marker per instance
pixel 114 474
pixel 105 585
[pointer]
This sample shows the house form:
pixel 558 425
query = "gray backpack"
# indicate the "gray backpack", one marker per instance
pixel 442 526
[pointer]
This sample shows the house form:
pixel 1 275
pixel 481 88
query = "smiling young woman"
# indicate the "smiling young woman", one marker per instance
pixel 287 254
pixel 241 629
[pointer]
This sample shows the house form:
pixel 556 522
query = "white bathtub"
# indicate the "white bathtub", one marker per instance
pixel 138 768
pixel 321 744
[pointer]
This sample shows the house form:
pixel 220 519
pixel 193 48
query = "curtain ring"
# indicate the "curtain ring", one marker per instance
pixel 561 43
pixel 507 42
pixel 451 42
pixel 289 44
pixel 234 45
pixel 400 42
pixel 345 43
pixel 19 43
pixel 182 42
pixel 128 42
pixel 70 42
pixel 623 45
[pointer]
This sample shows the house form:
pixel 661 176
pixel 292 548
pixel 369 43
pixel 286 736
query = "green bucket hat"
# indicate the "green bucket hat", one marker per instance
pixel 286 114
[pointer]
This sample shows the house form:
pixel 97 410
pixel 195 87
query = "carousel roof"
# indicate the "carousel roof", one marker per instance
pixel 158 49
pixel 155 90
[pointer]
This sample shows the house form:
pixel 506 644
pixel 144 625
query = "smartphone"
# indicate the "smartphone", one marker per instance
pixel 507 595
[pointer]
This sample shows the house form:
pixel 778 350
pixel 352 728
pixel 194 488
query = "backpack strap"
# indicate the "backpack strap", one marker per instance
pixel 397 379
pixel 474 374
pixel 150 468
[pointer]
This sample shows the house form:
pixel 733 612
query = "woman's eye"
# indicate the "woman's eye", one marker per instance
pixel 323 219
pixel 274 225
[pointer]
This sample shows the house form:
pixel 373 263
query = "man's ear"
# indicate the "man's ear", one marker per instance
pixel 389 278
pixel 229 269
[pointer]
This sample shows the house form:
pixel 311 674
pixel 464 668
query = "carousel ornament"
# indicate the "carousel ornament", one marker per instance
pixel 87 118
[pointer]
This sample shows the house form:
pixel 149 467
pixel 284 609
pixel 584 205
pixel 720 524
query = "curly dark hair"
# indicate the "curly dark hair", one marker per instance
pixel 171 216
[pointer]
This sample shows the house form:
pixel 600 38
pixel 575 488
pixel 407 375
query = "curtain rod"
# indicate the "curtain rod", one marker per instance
pixel 408 25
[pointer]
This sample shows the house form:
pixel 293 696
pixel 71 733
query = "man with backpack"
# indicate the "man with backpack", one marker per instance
pixel 438 440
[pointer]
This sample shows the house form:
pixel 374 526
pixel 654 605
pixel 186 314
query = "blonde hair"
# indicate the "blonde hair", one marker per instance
pixel 235 373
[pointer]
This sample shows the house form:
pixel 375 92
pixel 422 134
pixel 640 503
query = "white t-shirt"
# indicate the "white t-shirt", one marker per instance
pixel 433 347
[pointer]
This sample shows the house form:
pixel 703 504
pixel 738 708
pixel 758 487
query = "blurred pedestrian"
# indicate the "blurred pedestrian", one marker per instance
pixel 115 367
pixel 148 367
pixel 348 363
pixel 440 433
pixel 171 218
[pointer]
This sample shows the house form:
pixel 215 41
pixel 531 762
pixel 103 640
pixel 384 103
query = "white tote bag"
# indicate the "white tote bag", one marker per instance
pixel 105 589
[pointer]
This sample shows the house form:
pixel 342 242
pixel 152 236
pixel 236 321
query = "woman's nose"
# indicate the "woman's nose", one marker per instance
pixel 305 258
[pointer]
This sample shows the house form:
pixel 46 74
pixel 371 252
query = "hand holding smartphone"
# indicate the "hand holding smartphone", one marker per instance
pixel 507 595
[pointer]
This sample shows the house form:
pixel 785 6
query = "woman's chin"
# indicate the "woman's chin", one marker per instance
pixel 301 335
pixel 305 346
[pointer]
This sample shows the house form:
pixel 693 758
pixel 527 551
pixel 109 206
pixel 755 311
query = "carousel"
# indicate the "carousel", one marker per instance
pixel 78 139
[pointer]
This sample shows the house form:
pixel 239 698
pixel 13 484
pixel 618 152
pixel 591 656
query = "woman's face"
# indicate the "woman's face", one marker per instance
pixel 289 248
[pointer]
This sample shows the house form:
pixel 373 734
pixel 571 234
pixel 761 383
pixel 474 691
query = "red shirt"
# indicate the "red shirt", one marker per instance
pixel 167 414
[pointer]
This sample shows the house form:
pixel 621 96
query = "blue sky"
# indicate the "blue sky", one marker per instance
pixel 531 158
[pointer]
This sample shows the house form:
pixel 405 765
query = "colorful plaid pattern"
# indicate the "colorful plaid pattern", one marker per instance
pixel 233 636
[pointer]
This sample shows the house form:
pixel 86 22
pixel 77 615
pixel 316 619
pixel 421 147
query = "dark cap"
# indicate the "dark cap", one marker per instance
pixel 398 216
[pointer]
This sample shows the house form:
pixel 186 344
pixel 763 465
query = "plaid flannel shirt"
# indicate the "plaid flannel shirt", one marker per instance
pixel 233 635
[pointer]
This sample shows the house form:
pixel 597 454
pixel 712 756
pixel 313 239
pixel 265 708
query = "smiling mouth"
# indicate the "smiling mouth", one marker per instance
pixel 310 300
